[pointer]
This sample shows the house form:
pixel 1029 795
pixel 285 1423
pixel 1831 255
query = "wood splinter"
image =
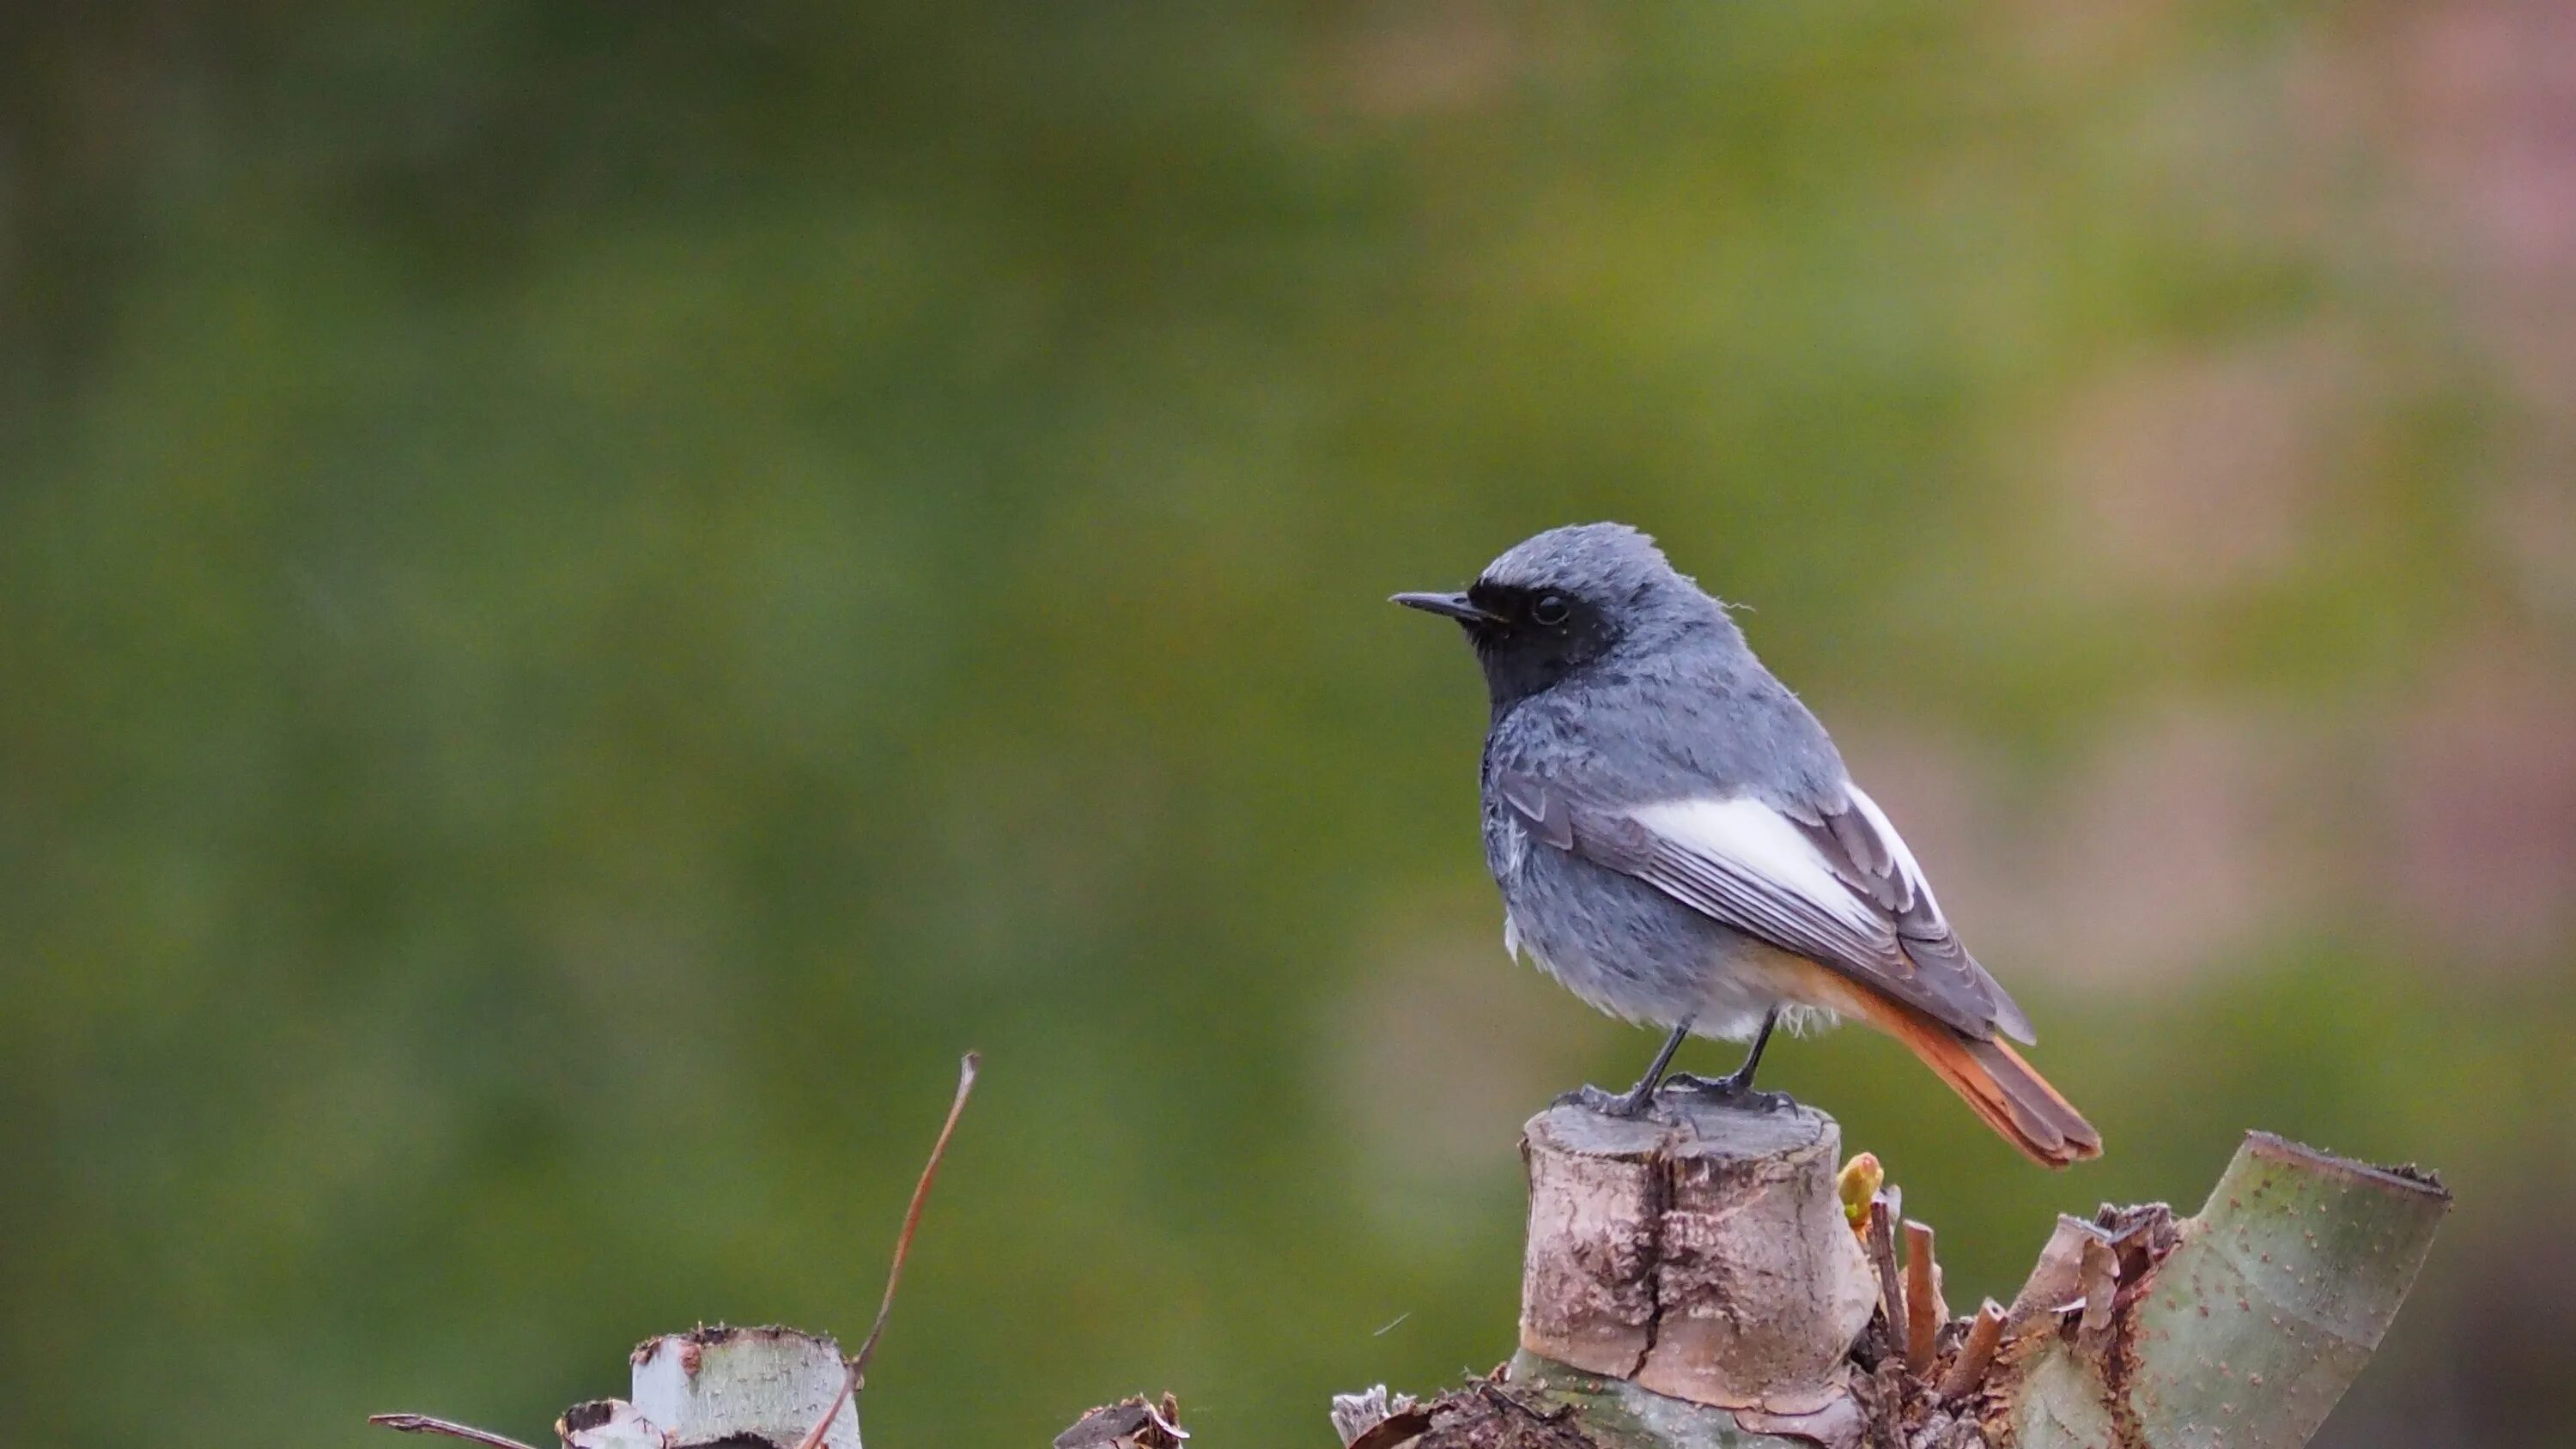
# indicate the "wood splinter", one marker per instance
pixel 1883 1209
pixel 1968 1371
pixel 1924 1310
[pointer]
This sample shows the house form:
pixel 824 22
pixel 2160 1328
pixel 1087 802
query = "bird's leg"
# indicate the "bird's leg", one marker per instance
pixel 1737 1085
pixel 1741 1079
pixel 1634 1101
pixel 1644 1092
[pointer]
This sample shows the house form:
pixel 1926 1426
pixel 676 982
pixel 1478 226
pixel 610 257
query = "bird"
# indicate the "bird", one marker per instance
pixel 1678 842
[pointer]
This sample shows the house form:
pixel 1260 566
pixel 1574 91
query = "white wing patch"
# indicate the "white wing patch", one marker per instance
pixel 1753 837
pixel 1896 847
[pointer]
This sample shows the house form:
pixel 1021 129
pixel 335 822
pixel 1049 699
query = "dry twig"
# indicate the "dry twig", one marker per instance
pixel 858 1362
pixel 424 1424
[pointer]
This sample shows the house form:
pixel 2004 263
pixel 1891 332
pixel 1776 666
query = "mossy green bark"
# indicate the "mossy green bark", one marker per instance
pixel 1616 1412
pixel 2251 1328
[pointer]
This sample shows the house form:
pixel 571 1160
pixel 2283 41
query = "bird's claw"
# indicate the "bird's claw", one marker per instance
pixel 1673 1092
pixel 1608 1103
pixel 1728 1090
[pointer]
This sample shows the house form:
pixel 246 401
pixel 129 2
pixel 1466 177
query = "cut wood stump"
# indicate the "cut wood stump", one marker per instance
pixel 737 1387
pixel 1700 1252
pixel 1694 1280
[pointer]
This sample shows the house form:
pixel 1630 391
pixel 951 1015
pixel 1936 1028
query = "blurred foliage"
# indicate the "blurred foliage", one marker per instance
pixel 589 593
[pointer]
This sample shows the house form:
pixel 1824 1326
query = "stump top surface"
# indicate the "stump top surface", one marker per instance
pixel 1681 1127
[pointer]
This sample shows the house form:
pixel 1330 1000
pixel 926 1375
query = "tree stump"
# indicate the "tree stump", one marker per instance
pixel 736 1387
pixel 1700 1253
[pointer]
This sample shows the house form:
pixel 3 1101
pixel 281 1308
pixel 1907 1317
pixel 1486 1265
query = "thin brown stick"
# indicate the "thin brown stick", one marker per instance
pixel 1968 1370
pixel 1882 1255
pixel 424 1424
pixel 1922 1298
pixel 858 1362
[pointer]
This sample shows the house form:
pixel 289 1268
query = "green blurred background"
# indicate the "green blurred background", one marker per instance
pixel 589 592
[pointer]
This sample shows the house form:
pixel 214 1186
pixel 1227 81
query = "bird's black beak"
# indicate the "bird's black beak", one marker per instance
pixel 1454 606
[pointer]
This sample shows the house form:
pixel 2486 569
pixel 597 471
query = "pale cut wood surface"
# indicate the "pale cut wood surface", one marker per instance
pixel 716 1383
pixel 1700 1252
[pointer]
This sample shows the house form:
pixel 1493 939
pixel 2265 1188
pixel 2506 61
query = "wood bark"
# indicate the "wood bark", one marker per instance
pixel 2248 1328
pixel 1700 1252
pixel 1684 1274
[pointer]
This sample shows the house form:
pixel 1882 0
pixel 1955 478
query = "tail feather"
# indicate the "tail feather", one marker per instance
pixel 1998 1085
pixel 1987 1074
pixel 2044 1116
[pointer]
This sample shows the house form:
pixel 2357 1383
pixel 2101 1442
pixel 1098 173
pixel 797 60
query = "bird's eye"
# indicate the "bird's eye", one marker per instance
pixel 1550 609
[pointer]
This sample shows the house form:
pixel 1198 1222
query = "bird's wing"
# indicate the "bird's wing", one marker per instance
pixel 1837 886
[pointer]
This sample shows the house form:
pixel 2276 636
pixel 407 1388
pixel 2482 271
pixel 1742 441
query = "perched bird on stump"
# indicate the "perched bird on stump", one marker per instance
pixel 1678 843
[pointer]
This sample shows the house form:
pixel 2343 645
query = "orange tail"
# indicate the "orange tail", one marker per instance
pixel 1993 1079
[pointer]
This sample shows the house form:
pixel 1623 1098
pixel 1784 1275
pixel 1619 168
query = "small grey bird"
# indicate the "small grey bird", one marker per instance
pixel 1678 843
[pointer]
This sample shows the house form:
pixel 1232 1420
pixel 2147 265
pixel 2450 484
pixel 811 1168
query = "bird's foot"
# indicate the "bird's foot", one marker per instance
pixel 1608 1103
pixel 1733 1091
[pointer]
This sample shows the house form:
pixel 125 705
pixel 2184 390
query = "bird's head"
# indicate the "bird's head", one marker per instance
pixel 1568 598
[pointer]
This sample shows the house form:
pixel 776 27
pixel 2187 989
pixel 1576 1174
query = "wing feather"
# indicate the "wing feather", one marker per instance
pixel 1840 888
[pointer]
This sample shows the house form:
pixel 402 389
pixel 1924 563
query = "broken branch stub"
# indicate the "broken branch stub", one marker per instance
pixel 2244 1330
pixel 1701 1252
pixel 1976 1353
pixel 1924 1310
pixel 1131 1423
pixel 719 1385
